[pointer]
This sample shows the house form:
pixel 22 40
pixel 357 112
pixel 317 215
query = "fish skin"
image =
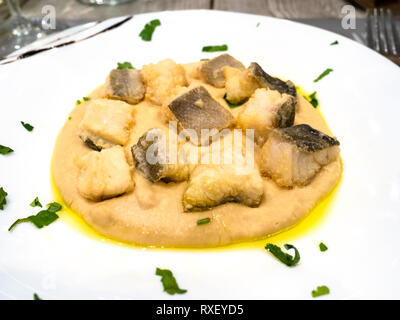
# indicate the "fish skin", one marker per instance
pixel 293 156
pixel 267 81
pixel 126 85
pixel 211 70
pixel 209 115
pixel 92 145
pixel 307 138
pixel 160 170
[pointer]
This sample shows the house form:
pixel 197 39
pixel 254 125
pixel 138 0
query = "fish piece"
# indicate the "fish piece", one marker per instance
pixel 153 160
pixel 106 123
pixel 239 84
pixel 104 174
pixel 126 85
pixel 212 70
pixel 162 80
pixel 294 155
pixel 196 109
pixel 267 81
pixel 212 185
pixel 266 110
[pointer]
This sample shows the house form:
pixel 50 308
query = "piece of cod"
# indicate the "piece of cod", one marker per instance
pixel 266 110
pixel 213 185
pixel 293 156
pixel 104 174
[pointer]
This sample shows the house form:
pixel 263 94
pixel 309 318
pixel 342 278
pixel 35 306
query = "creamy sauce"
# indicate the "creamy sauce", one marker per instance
pixel 152 214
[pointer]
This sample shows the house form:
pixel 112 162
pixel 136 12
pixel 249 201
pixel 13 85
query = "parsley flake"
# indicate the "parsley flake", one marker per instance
pixel 3 200
pixel 125 65
pixel 36 297
pixel 78 102
pixel 223 47
pixel 147 33
pixel 27 126
pixel 86 98
pixel 36 203
pixel 323 247
pixel 312 99
pixel 5 150
pixel 323 74
pixel 231 105
pixel 285 258
pixel 320 291
pixel 169 282
pixel 203 221
pixel 43 218
pixel 258 24
pixel 334 43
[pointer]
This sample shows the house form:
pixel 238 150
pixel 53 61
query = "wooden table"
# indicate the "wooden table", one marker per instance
pixel 291 9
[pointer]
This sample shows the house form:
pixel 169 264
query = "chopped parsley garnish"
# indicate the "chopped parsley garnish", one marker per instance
pixel 86 98
pixel 169 282
pixel 258 24
pixel 334 43
pixel 323 247
pixel 320 291
pixel 285 258
pixel 312 99
pixel 125 65
pixel 203 221
pixel 43 218
pixel 36 203
pixel 36 297
pixel 223 47
pixel 27 126
pixel 323 74
pixel 147 33
pixel 204 59
pixel 231 105
pixel 3 199
pixel 78 102
pixel 5 150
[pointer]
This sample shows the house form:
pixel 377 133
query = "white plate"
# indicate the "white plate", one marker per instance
pixel 359 100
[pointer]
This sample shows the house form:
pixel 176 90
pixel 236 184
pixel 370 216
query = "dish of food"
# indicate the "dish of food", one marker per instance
pixel 111 179
pixel 314 115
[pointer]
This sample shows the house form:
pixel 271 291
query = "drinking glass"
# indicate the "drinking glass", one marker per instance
pixel 17 31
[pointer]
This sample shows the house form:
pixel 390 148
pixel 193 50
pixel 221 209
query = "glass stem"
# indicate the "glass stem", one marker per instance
pixel 13 6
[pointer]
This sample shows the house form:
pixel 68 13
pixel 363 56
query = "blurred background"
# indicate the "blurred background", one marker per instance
pixel 21 21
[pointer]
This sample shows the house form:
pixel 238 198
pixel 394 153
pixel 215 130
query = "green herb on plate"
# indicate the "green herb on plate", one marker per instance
pixel 125 65
pixel 78 102
pixel 203 221
pixel 223 47
pixel 334 43
pixel 285 258
pixel 3 200
pixel 36 297
pixel 312 99
pixel 231 105
pixel 43 218
pixel 147 33
pixel 169 282
pixel 258 24
pixel 36 203
pixel 204 59
pixel 86 98
pixel 323 74
pixel 320 291
pixel 323 247
pixel 5 150
pixel 27 126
